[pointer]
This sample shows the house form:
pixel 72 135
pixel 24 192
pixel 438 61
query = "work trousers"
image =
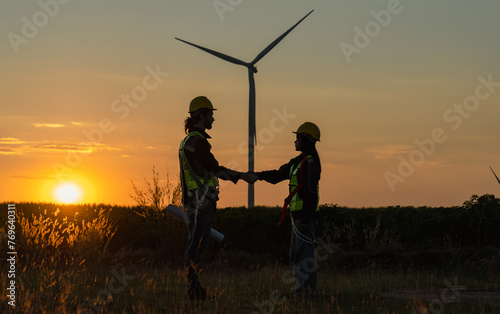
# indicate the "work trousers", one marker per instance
pixel 199 227
pixel 303 259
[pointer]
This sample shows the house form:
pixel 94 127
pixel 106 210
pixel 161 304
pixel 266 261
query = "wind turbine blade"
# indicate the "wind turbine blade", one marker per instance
pixel 217 54
pixel 277 40
pixel 495 175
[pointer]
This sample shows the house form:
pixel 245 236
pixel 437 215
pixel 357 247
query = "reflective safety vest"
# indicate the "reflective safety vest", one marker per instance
pixel 191 179
pixel 296 202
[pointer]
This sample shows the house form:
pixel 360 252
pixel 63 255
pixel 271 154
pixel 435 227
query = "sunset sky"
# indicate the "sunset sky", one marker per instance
pixel 406 94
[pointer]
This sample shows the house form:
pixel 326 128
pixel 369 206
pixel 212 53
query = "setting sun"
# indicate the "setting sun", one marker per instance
pixel 68 193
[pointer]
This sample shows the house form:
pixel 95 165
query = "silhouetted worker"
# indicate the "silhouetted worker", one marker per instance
pixel 304 173
pixel 199 175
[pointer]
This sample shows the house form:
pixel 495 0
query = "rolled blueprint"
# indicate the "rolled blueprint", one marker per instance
pixel 182 216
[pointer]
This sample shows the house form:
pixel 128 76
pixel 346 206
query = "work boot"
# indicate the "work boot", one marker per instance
pixel 304 292
pixel 196 291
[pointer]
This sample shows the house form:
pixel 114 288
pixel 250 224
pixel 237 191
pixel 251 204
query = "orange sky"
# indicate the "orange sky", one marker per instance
pixel 406 94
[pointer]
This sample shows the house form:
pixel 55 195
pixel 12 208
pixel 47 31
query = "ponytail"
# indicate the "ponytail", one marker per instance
pixel 309 147
pixel 188 124
pixel 193 119
pixel 316 156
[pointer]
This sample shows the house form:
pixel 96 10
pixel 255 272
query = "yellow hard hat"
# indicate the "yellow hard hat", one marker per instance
pixel 309 128
pixel 200 102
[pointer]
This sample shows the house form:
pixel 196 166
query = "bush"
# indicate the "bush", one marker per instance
pixel 90 234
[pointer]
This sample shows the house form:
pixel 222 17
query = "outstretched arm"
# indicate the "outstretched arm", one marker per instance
pixel 208 161
pixel 275 176
pixel 249 177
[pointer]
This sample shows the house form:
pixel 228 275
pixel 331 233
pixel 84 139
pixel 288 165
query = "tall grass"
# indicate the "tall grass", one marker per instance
pixel 259 289
pixel 49 239
pixel 157 193
pixel 55 244
pixel 120 259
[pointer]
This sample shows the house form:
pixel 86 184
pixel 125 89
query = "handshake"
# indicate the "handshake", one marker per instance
pixel 249 177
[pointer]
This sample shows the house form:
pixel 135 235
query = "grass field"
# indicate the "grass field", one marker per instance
pixel 258 289
pixel 106 259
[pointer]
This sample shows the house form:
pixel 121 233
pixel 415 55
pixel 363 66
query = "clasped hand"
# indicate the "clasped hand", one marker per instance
pixel 249 177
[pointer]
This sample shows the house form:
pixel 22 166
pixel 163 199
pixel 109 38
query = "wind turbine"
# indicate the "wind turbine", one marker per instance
pixel 251 105
pixel 495 175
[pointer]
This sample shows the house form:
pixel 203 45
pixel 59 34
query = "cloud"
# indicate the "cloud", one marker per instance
pixel 10 145
pixel 82 148
pixel 391 151
pixel 6 151
pixel 64 147
pixel 10 141
pixel 58 125
pixel 15 146
pixel 30 178
pixel 48 125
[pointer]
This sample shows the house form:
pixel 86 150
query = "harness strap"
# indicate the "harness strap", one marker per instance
pixel 289 198
pixel 300 235
pixel 194 176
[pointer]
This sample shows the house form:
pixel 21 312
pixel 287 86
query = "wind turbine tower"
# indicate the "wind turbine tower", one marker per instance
pixel 251 105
